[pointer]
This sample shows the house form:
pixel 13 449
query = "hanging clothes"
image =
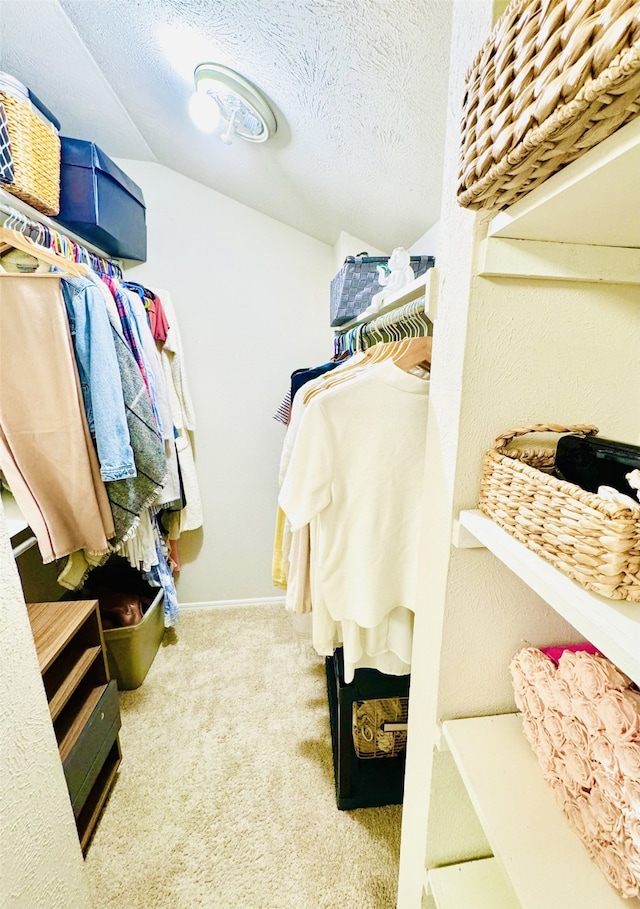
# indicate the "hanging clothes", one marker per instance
pixel 155 310
pixel 46 450
pixel 87 435
pixel 171 491
pixel 354 476
pixel 99 377
pixel 172 358
pixel 282 536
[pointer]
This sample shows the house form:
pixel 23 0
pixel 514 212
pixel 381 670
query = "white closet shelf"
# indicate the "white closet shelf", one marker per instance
pixel 545 863
pixel 481 884
pixel 594 201
pixel 552 261
pixel 613 626
pixel 582 224
pixel 423 286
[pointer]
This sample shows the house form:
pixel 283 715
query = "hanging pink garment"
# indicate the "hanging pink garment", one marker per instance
pixel 46 451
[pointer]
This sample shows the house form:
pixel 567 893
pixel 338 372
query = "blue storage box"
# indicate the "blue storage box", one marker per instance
pixel 99 202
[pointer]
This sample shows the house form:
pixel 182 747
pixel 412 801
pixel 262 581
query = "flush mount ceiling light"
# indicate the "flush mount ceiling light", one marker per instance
pixel 223 93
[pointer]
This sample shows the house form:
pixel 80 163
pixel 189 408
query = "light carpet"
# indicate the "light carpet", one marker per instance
pixel 225 797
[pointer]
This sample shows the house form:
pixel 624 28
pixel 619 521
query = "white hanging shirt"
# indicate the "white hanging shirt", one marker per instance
pixel 356 474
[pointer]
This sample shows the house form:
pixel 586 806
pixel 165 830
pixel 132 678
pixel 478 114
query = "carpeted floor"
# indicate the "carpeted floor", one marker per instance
pixel 225 798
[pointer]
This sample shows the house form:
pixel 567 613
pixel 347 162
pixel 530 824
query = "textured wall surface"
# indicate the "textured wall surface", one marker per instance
pixel 40 859
pixel 359 91
pixel 506 352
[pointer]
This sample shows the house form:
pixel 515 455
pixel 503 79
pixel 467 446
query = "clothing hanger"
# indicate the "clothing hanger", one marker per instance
pixel 53 241
pixel 353 367
pixel 394 350
pixel 16 240
pixel 417 354
pixel 414 323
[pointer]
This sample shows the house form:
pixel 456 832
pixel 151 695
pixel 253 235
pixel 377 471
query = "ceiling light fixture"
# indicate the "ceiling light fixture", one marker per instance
pixel 221 92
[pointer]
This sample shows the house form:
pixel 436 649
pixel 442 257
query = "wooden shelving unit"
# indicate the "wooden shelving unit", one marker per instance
pixel 83 702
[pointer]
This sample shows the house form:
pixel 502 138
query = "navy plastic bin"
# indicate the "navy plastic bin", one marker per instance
pixel 99 202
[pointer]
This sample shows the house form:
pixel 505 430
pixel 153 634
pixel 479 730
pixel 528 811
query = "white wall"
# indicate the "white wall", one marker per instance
pixel 427 244
pixel 348 245
pixel 41 866
pixel 252 297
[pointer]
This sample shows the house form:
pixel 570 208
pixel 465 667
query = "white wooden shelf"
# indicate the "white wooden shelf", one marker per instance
pixel 480 884
pixel 544 260
pixel 594 201
pixel 582 224
pixel 613 626
pixel 545 862
pixel 423 286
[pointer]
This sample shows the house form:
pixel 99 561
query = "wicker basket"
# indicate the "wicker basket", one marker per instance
pixel 380 727
pixel 594 541
pixel 555 78
pixel 35 153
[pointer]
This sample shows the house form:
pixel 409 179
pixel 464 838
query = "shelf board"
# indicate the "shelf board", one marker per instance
pixel 423 286
pixel 544 861
pixel 594 201
pixel 613 626
pixel 481 884
pixel 543 260
pixel 84 661
pixel 53 624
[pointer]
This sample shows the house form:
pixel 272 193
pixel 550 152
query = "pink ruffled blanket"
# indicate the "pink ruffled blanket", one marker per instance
pixel 581 716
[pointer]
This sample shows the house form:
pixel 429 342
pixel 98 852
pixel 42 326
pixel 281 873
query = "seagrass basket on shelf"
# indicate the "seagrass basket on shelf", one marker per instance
pixel 35 155
pixel 592 540
pixel 554 78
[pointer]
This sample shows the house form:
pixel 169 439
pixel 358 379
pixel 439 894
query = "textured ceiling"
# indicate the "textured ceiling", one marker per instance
pixel 359 88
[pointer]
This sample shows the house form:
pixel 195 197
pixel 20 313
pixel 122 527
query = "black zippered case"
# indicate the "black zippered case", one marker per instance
pixel 590 462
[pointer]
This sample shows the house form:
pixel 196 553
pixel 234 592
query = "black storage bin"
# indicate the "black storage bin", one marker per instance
pixel 360 782
pixel 99 202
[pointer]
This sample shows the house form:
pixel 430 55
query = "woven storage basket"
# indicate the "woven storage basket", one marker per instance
pixel 555 78
pixel 357 281
pixel 594 541
pixel 35 153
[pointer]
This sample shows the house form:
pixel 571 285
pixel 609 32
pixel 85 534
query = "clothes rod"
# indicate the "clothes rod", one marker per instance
pixel 7 201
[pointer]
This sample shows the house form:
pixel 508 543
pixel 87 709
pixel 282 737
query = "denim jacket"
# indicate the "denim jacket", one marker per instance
pixel 99 377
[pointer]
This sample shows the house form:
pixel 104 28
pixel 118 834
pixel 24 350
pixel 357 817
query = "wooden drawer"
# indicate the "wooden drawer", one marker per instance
pixel 85 759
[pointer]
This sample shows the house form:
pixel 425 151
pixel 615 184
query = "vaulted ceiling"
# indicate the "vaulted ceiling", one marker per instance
pixel 359 89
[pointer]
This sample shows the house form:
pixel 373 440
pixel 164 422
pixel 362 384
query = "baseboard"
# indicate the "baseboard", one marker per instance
pixel 232 604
